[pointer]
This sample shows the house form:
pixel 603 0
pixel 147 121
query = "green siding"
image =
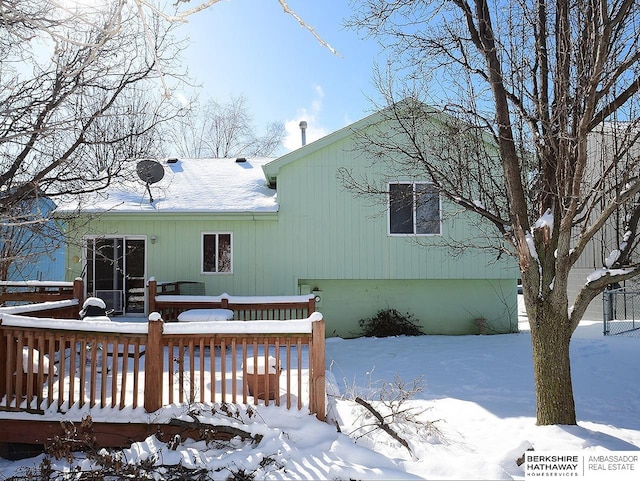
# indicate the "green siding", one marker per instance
pixel 326 235
pixel 346 235
pixel 176 253
pixel 439 306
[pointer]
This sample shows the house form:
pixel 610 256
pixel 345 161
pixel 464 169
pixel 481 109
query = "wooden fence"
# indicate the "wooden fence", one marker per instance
pixel 245 308
pixel 169 299
pixel 20 294
pixel 51 363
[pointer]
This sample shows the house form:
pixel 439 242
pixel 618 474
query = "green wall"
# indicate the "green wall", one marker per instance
pixel 329 232
pixel 176 253
pixel 439 306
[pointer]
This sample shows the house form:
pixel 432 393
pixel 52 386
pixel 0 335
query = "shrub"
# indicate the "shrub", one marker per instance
pixel 389 322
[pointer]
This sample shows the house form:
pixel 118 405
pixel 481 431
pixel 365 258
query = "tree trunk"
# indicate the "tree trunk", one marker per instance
pixel 550 339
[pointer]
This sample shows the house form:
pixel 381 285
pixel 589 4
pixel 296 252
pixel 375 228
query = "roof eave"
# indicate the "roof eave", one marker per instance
pixel 272 169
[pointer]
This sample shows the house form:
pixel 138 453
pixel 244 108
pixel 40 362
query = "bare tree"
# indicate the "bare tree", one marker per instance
pixel 77 84
pixel 198 6
pixel 551 87
pixel 218 130
pixel 76 97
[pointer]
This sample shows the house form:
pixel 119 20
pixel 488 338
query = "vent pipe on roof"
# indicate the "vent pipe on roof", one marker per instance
pixel 303 128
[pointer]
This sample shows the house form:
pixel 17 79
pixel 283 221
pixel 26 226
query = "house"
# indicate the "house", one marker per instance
pixel 30 242
pixel 289 226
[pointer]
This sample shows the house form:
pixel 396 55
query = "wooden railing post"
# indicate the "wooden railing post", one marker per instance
pixel 317 376
pixel 153 364
pixel 312 306
pixel 78 289
pixel 3 363
pixel 78 293
pixel 153 292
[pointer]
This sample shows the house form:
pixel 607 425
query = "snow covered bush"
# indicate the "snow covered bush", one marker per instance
pixel 389 322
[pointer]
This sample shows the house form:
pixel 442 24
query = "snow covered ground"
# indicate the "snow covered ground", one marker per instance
pixel 478 397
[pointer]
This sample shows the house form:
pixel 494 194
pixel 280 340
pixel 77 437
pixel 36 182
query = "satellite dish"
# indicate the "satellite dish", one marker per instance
pixel 150 172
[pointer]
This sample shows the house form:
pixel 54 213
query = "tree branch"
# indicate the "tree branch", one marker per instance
pixel 382 424
pixel 208 430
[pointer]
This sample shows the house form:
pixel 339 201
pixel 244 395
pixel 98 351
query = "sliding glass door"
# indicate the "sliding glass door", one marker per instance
pixel 115 272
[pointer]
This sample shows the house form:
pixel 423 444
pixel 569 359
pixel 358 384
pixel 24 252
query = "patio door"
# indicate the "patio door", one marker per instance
pixel 115 272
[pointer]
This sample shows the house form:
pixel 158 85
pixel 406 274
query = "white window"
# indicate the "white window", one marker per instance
pixel 414 209
pixel 216 253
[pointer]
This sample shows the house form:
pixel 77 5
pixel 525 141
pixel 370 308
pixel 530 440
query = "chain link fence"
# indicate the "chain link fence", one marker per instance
pixel 621 312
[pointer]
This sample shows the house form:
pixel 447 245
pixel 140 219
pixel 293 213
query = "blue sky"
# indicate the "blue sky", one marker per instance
pixel 252 48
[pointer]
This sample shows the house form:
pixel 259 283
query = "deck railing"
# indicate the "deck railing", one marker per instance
pixel 55 364
pixel 245 308
pixel 38 292
pixel 168 299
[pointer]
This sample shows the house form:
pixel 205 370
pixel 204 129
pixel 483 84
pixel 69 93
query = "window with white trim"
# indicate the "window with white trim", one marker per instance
pixel 414 209
pixel 216 253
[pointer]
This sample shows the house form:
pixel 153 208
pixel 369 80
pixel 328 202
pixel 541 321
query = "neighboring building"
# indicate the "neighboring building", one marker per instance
pixel 289 226
pixel 605 154
pixel 30 243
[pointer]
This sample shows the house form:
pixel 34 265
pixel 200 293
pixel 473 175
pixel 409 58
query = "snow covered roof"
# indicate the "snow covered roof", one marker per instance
pixel 188 185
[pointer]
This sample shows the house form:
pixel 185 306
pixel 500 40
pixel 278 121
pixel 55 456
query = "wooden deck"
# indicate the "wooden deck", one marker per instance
pixel 170 303
pixel 43 294
pixel 68 367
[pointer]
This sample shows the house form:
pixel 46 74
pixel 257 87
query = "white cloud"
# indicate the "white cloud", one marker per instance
pixel 314 131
